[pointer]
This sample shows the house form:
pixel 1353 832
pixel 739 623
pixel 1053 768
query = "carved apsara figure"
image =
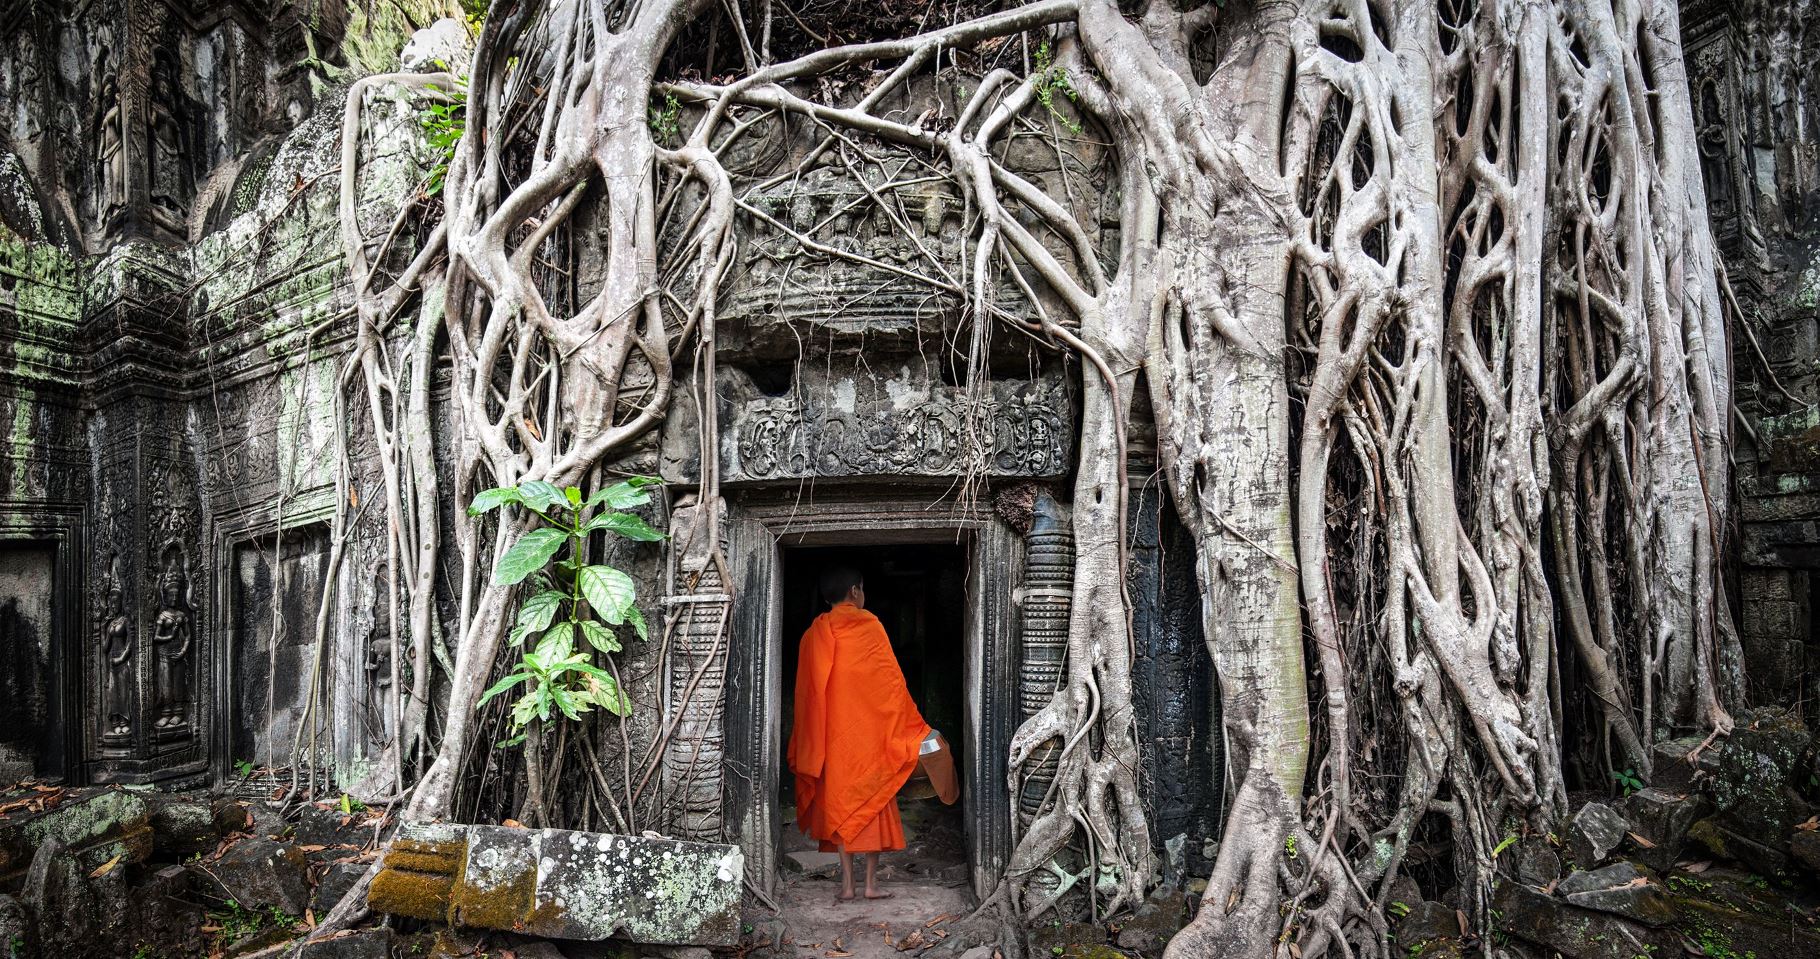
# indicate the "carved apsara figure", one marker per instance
pixel 168 173
pixel 117 677
pixel 110 154
pixel 172 637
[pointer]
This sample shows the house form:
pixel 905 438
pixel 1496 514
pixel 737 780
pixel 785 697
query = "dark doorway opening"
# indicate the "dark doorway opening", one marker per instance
pixel 919 592
pixel 32 728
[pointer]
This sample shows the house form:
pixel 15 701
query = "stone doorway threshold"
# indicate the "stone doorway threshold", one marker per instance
pixel 926 915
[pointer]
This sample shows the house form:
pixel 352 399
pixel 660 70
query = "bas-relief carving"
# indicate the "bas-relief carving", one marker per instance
pixel 1021 429
pixel 173 641
pixel 115 635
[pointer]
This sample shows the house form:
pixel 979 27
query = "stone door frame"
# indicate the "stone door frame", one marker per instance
pixel 59 526
pixel 241 524
pixel 760 525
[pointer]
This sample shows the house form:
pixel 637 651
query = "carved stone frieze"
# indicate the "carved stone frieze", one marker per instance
pixel 883 420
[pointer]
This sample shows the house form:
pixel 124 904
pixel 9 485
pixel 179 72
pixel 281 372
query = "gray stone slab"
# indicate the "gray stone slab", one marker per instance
pixel 563 884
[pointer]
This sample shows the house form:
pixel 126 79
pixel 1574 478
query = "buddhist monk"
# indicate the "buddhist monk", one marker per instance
pixel 857 734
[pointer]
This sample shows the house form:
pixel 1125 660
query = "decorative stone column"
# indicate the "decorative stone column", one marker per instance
pixel 697 609
pixel 1047 597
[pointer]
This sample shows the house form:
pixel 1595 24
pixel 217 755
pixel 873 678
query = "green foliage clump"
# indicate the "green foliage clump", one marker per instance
pixel 443 123
pixel 572 600
pixel 1051 79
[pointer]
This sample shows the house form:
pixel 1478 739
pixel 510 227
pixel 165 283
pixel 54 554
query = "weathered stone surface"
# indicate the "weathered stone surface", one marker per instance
pixel 1661 817
pixel 1677 768
pixel 1064 939
pixel 181 827
pixel 335 882
pixel 261 874
pixel 1759 756
pixel 1154 923
pixel 353 944
pixel 1573 932
pixel 1427 921
pixel 1805 847
pixel 564 884
pixel 813 863
pixel 317 826
pixel 1621 888
pixel 79 914
pixel 1595 830
pixel 1533 862
pixel 18 940
pixel 91 826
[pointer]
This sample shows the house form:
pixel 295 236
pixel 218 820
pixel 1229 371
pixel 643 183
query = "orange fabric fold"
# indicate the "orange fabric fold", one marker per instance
pixel 856 734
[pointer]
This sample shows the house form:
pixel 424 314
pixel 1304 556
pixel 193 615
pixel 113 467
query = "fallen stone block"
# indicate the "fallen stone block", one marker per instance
pixel 1660 818
pixel 1427 921
pixel 813 864
pixel 1574 932
pixel 1154 923
pixel 1531 862
pixel 1676 767
pixel 262 874
pixel 17 938
pixel 317 826
pixel 563 884
pixel 1595 830
pixel 334 883
pixel 181 828
pixel 1621 889
pixel 93 827
pixel 352 944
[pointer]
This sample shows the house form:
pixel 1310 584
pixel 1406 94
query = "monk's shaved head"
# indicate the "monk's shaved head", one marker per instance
pixel 838 581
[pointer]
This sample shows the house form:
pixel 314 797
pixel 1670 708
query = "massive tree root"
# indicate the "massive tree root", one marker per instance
pixel 1425 302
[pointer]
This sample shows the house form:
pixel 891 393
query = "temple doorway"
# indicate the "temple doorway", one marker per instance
pixel 920 591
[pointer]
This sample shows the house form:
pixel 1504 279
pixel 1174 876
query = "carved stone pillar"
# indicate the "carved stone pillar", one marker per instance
pixel 697 609
pixel 1047 598
pixel 148 670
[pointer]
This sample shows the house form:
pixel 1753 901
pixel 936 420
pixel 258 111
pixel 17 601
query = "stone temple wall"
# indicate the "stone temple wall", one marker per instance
pixel 1755 77
pixel 174 316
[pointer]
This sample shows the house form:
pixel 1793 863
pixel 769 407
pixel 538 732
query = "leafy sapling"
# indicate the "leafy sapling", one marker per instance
pixel 572 601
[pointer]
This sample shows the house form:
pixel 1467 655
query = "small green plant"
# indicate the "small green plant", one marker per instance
pixel 665 121
pixel 1504 844
pixel 350 805
pixel 571 597
pixel 1050 79
pixel 1289 845
pixel 1627 780
pixel 443 124
pixel 243 768
pixel 145 951
pixel 1399 909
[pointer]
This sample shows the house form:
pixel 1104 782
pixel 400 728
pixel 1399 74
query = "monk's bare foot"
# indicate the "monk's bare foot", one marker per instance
pixel 876 894
pixel 845 895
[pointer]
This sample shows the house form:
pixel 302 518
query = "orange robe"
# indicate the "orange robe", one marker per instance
pixel 856 734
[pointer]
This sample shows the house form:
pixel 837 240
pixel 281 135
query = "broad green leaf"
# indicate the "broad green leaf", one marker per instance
pixel 543 703
pixel 624 524
pixel 557 644
pixel 599 636
pixel 637 619
pixel 572 494
pixel 527 555
pixel 509 743
pixel 494 498
pixel 524 709
pixel 609 591
pixel 535 614
pixel 624 494
pixel 502 686
pixel 604 691
pixel 541 495
pixel 566 703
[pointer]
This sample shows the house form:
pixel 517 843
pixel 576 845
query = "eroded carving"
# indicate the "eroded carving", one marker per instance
pixel 173 634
